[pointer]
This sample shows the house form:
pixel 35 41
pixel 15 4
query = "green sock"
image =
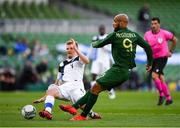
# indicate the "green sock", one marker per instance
pixel 89 104
pixel 81 101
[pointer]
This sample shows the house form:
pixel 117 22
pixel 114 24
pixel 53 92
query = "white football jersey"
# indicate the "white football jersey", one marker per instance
pixel 71 70
pixel 101 57
pixel 100 54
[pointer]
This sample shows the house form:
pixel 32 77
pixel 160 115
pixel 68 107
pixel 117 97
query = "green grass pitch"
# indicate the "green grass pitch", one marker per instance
pixel 129 109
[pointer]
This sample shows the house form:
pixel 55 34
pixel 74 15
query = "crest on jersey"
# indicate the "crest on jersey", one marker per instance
pixel 160 40
pixel 157 70
pixel 61 64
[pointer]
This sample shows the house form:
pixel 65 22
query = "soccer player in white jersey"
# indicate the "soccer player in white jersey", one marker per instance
pixel 101 58
pixel 69 84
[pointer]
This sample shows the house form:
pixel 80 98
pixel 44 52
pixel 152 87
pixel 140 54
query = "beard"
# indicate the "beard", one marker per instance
pixel 69 56
pixel 154 30
pixel 116 29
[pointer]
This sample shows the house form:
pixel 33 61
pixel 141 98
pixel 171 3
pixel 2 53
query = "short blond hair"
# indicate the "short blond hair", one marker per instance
pixel 70 42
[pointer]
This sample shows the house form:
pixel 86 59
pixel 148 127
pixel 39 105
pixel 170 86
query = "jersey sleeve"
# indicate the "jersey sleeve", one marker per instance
pixel 101 43
pixel 168 35
pixel 80 61
pixel 142 43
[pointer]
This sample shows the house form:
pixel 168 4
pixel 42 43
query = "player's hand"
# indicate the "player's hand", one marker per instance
pixel 169 54
pixel 72 40
pixel 74 44
pixel 37 101
pixel 148 68
pixel 42 99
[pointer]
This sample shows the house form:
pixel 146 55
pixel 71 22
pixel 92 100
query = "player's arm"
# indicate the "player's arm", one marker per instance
pixel 101 43
pixel 58 80
pixel 42 99
pixel 148 50
pixel 82 57
pixel 173 45
pixel 173 39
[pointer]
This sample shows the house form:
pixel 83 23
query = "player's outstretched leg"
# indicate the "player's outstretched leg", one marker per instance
pixel 49 103
pixel 45 114
pixel 93 95
pixel 78 118
pixel 68 108
pixel 72 109
pixel 51 94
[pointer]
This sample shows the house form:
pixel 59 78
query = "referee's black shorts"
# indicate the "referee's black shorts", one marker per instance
pixel 159 64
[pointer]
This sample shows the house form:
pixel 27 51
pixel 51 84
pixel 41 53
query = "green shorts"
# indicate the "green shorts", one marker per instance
pixel 113 77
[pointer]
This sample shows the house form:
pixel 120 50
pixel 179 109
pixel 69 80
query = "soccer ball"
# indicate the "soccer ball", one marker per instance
pixel 28 111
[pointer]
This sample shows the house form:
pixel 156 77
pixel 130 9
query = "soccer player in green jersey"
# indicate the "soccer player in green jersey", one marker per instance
pixel 124 42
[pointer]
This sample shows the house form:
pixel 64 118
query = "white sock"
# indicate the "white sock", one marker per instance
pixel 112 94
pixel 112 91
pixel 49 103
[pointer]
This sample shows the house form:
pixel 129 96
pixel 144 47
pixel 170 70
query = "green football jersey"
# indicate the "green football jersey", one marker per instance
pixel 124 43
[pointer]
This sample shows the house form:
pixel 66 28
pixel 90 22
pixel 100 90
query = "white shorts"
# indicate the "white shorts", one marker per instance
pixel 71 91
pixel 99 67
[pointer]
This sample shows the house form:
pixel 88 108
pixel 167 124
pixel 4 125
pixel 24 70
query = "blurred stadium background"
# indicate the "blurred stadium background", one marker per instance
pixel 42 26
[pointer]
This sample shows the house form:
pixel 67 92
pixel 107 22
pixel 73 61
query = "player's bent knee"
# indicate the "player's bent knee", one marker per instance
pixel 51 86
pixel 52 92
